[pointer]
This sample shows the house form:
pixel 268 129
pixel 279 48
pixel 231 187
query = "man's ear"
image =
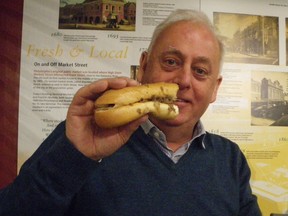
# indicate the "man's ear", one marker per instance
pixel 142 67
pixel 214 95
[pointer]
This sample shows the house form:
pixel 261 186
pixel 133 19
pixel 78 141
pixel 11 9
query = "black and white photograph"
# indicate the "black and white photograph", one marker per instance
pixel 269 99
pixel 286 41
pixel 249 39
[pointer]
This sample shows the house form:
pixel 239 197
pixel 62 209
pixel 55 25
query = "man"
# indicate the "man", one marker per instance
pixel 150 166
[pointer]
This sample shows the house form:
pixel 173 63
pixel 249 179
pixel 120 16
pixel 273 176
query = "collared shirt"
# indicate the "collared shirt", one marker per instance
pixel 160 138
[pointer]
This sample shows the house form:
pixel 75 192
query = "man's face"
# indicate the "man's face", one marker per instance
pixel 186 54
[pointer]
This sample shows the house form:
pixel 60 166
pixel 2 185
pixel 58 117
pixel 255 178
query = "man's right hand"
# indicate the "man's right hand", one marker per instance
pixel 81 129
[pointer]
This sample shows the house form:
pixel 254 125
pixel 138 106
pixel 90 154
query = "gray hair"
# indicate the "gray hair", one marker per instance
pixel 186 15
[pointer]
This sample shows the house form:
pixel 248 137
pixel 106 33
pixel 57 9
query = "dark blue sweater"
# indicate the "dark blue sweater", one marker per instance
pixel 137 180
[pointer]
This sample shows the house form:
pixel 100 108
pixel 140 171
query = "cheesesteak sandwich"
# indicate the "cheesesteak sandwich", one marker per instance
pixel 117 107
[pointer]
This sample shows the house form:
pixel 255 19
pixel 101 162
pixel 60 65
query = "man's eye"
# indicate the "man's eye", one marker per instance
pixel 200 72
pixel 171 62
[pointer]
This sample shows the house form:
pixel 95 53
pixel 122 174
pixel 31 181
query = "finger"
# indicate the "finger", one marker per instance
pixel 135 124
pixel 128 129
pixel 130 82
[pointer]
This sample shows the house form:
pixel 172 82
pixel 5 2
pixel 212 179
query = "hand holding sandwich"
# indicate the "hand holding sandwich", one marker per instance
pixel 81 129
pixel 104 114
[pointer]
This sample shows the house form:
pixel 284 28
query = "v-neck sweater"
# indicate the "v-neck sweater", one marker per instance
pixel 137 180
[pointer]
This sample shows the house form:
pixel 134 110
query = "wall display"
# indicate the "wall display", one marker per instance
pixel 62 51
pixel 67 44
pixel 252 106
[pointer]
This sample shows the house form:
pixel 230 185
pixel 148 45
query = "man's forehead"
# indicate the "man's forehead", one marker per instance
pixel 178 52
pixel 170 50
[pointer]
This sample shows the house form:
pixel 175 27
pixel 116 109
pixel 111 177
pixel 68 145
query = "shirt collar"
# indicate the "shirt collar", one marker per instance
pixel 199 130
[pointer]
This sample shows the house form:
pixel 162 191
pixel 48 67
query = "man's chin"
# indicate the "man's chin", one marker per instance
pixel 176 122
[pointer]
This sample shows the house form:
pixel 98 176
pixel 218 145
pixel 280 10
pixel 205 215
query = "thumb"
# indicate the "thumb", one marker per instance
pixel 129 129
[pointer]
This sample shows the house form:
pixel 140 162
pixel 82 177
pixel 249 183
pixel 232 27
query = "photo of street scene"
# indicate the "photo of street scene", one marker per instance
pixel 134 71
pixel 117 15
pixel 249 39
pixel 269 98
pixel 287 41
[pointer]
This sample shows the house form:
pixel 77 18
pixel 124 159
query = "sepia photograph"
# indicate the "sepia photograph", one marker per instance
pixel 286 41
pixel 249 39
pixel 119 15
pixel 269 98
pixel 133 71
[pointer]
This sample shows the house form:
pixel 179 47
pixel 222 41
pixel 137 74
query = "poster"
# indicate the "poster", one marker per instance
pixel 68 44
pixel 252 105
pixel 62 51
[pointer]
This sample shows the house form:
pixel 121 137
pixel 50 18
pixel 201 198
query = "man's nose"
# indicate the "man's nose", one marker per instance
pixel 184 77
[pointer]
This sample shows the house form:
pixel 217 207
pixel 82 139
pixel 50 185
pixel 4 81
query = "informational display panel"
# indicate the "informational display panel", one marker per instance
pixel 68 44
pixel 252 106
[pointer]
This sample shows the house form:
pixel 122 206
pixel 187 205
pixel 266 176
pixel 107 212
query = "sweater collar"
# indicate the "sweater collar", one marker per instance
pixel 149 127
